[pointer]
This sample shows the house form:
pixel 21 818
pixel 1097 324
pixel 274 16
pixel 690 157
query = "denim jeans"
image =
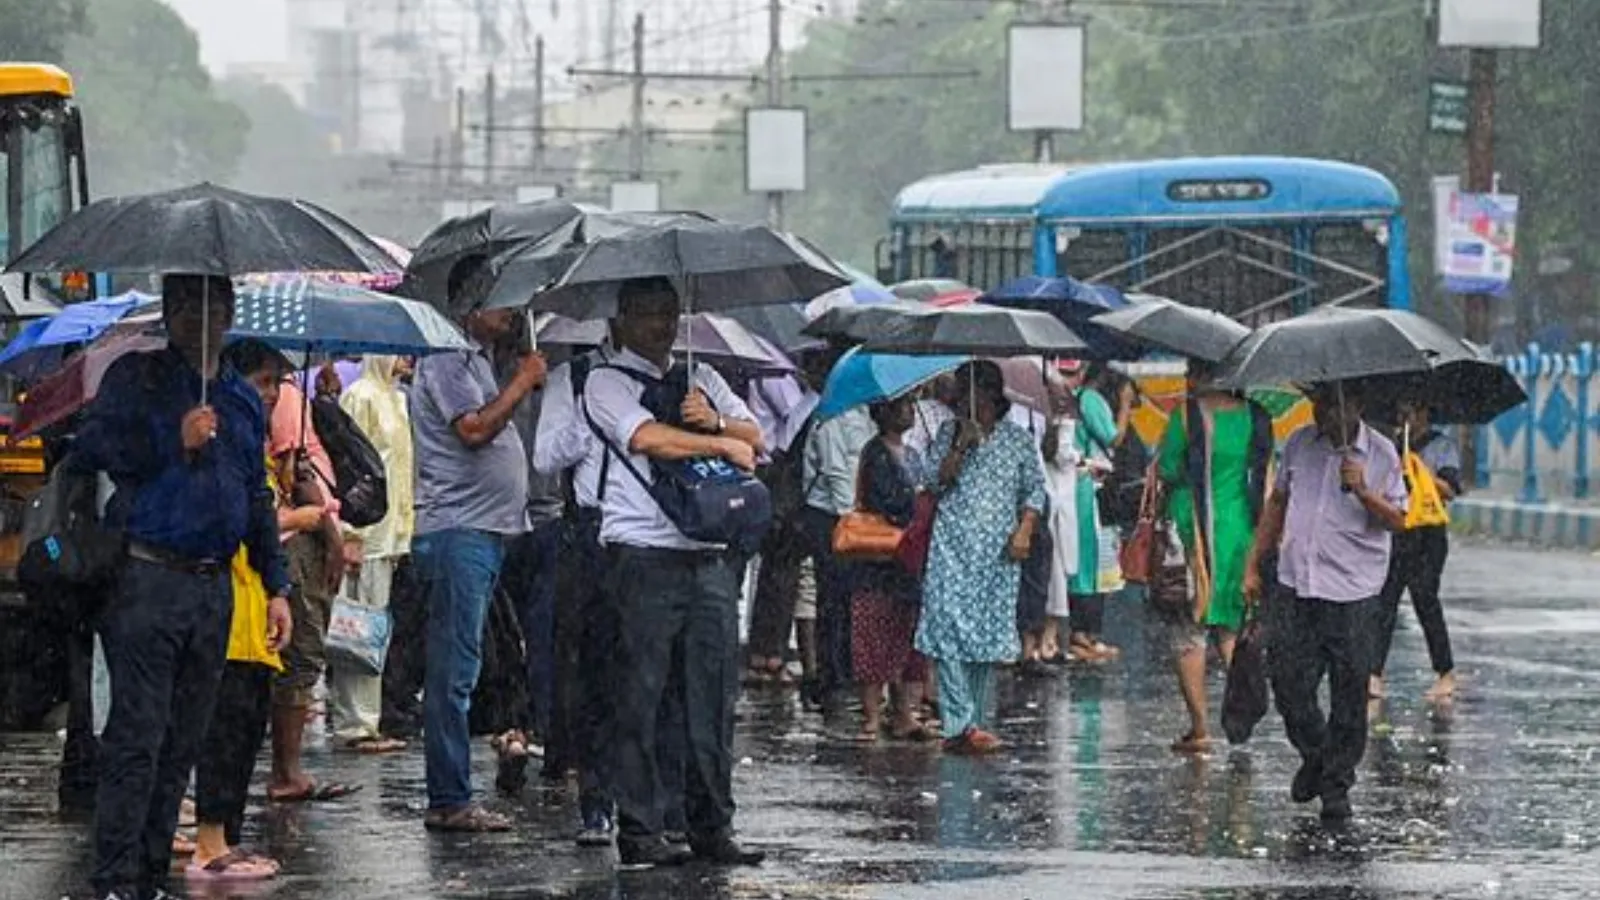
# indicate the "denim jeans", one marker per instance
pixel 456 570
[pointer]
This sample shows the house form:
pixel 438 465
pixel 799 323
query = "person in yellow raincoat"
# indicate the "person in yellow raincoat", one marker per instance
pixel 377 406
pixel 259 630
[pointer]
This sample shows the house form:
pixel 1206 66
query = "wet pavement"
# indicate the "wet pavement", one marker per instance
pixel 1497 797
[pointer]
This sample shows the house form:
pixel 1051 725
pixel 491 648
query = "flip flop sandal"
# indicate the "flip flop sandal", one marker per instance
pixel 918 734
pixel 317 793
pixel 375 746
pixel 467 820
pixel 865 737
pixel 1191 744
pixel 232 867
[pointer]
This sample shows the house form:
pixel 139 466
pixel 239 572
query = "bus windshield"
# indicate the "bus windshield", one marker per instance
pixel 35 178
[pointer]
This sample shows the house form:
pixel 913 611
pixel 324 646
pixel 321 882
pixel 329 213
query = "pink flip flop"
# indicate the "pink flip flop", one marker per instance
pixel 233 867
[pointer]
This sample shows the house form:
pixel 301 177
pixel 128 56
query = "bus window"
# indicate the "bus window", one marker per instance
pixel 1098 255
pixel 1350 246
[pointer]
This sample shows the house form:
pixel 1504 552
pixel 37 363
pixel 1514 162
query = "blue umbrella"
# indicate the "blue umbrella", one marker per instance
pixel 40 348
pixel 310 315
pixel 860 378
pixel 1075 303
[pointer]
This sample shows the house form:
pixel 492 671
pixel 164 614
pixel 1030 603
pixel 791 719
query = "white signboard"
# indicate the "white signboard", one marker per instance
pixel 1445 188
pixel 774 150
pixel 536 193
pixel 1494 24
pixel 635 196
pixel 1044 87
pixel 1482 243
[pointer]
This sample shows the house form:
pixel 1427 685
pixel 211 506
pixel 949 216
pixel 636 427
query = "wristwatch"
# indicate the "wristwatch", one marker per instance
pixel 722 424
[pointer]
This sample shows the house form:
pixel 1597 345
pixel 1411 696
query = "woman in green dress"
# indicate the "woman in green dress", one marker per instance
pixel 1214 460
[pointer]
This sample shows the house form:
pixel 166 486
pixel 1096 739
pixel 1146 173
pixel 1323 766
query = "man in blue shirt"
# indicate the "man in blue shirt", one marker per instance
pixel 184 441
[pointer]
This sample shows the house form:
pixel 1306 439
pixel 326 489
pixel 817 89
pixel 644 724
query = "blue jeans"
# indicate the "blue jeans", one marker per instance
pixel 456 570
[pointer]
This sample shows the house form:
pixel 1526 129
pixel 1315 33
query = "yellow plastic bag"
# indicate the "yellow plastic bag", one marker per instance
pixel 1426 505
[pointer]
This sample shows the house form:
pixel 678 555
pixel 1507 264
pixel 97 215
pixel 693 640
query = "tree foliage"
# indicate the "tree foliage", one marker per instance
pixel 37 30
pixel 1338 79
pixel 152 114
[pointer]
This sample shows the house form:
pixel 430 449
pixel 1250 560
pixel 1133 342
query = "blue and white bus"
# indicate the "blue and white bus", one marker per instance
pixel 1258 238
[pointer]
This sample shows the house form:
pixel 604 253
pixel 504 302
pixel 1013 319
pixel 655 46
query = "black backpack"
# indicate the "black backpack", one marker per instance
pixel 65 544
pixel 361 484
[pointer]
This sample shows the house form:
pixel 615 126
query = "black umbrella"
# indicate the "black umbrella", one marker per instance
pixel 1387 354
pixel 856 324
pixel 1168 325
pixel 488 233
pixel 528 268
pixel 714 266
pixel 975 329
pixel 781 323
pixel 203 230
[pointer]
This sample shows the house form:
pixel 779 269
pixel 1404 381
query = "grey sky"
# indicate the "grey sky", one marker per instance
pixel 236 31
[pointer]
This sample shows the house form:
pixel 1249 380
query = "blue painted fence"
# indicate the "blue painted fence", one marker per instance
pixel 1543 450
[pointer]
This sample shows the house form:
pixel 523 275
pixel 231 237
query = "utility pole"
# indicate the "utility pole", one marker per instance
pixel 775 94
pixel 1482 66
pixel 636 125
pixel 458 140
pixel 538 105
pixel 488 132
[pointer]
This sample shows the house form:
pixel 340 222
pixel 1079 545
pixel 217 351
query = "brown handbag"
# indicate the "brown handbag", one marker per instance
pixel 863 536
pixel 1144 549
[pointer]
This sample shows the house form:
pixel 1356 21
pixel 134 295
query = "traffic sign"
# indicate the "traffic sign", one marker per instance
pixel 1448 109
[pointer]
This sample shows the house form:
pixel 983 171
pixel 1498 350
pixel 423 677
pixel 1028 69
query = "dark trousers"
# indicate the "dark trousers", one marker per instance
pixel 678 613
pixel 777 589
pixel 405 666
pixel 228 758
pixel 1309 639
pixel 165 635
pixel 79 769
pixel 834 588
pixel 1086 614
pixel 530 579
pixel 586 633
pixel 1417 565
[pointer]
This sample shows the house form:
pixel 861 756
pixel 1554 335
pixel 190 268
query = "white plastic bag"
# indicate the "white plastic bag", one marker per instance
pixel 358 636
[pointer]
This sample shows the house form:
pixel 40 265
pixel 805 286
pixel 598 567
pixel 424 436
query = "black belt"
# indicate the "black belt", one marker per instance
pixel 166 559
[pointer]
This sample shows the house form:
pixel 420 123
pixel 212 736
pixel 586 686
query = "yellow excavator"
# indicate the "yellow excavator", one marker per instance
pixel 43 179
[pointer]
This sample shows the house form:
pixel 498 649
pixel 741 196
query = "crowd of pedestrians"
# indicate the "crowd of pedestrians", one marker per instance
pixel 542 595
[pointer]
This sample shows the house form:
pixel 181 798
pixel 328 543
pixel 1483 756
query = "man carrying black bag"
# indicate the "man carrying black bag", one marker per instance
pixel 676 597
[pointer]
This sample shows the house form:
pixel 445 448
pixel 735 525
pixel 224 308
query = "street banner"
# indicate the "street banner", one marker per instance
pixel 1481 243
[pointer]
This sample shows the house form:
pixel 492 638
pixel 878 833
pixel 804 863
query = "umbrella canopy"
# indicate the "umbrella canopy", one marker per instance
pixel 1077 303
pixel 859 323
pixel 203 230
pixel 487 233
pixel 781 324
pixel 714 266
pixel 1176 327
pixel 41 346
pixel 1387 354
pixel 305 314
pixel 529 268
pixel 975 329
pixel 856 294
pixel 705 335
pixel 861 377
pixel 927 288
pixel 58 397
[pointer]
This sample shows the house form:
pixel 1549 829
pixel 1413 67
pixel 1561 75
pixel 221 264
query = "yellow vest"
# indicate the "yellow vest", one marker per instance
pixel 247 636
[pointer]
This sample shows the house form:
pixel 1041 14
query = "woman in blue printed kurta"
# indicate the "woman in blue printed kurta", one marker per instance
pixel 992 492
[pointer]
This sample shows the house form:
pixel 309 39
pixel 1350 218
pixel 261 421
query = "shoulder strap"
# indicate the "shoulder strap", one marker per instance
pixel 611 449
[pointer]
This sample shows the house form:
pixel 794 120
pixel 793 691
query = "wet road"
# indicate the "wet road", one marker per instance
pixel 1497 798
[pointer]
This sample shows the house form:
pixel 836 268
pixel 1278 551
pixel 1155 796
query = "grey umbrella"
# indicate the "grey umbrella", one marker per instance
pixel 856 324
pixel 705 335
pixel 714 266
pixel 975 329
pixel 1386 354
pixel 1168 325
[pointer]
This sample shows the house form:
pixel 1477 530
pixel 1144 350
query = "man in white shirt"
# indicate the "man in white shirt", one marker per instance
pixel 832 458
pixel 676 598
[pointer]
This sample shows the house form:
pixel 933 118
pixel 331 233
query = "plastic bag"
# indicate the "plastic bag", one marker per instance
pixel 358 636
pixel 1246 698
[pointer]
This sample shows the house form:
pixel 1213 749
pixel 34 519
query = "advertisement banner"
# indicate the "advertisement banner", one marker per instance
pixel 1480 244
